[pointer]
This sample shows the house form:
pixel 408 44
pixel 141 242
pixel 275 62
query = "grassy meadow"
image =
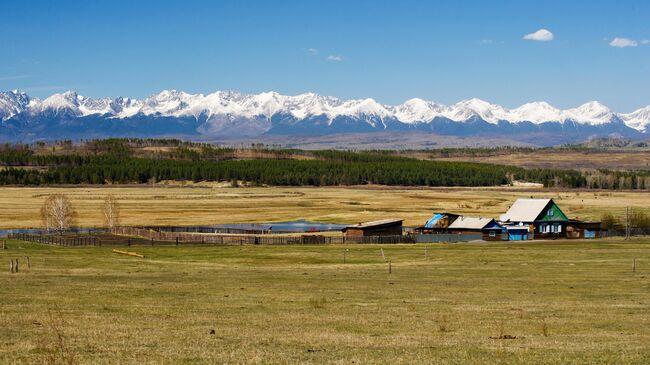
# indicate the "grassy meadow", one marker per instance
pixel 569 302
pixel 195 204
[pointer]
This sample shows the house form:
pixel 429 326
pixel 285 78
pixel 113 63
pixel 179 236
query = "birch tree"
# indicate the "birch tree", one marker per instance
pixel 57 213
pixel 111 211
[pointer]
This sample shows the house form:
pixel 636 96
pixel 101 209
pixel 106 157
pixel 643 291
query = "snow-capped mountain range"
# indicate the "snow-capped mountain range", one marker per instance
pixel 226 114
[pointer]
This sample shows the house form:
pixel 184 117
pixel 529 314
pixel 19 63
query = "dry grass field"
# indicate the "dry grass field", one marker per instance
pixel 562 159
pixel 211 204
pixel 571 302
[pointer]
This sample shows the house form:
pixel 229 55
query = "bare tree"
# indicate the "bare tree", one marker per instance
pixel 111 211
pixel 57 213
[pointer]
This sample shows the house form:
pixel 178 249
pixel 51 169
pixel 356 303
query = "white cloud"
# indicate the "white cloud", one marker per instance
pixel 645 41
pixel 623 42
pixel 312 51
pixel 486 41
pixel 335 58
pixel 542 35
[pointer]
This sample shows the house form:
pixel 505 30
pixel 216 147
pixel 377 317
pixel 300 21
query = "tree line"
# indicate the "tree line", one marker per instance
pixel 113 161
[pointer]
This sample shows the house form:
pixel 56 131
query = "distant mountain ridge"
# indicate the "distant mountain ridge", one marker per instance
pixel 232 115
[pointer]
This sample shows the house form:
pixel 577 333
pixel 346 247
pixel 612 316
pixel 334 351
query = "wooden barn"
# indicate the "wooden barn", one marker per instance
pixel 580 229
pixel 384 227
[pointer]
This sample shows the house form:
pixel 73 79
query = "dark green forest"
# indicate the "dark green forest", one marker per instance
pixel 121 161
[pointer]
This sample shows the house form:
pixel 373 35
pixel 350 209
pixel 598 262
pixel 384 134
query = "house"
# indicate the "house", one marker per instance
pixel 384 227
pixel 534 218
pixel 488 228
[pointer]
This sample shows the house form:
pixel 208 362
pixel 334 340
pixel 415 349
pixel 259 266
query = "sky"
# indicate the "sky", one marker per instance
pixel 505 52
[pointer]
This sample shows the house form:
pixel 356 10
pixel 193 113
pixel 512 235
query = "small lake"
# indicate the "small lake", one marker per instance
pixel 298 226
pixel 7 232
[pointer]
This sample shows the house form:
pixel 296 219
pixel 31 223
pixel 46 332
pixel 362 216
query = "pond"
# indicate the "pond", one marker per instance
pixel 7 232
pixel 297 226
pixel 300 225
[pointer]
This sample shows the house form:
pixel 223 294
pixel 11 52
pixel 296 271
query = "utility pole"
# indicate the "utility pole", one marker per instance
pixel 627 223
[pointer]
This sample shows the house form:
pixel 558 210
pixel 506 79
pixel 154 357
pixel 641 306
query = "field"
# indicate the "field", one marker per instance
pixel 543 303
pixel 562 159
pixel 197 204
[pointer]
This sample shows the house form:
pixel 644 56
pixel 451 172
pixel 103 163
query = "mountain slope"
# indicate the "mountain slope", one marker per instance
pixel 226 114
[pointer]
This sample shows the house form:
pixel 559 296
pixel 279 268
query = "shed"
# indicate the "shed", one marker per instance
pixel 437 223
pixel 384 227
pixel 582 229
pixel 487 227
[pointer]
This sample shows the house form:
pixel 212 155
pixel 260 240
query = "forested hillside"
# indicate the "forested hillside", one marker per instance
pixel 120 161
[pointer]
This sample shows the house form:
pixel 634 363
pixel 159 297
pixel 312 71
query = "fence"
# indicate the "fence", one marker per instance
pixel 146 236
pixel 621 232
pixel 56 240
pixel 449 237
pixel 187 237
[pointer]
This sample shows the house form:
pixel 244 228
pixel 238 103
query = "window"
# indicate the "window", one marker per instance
pixel 559 228
pixel 492 234
pixel 549 213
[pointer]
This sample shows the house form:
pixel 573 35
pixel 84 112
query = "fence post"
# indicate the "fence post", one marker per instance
pixel 28 263
pixel 176 241
pixel 382 254
pixel 634 264
pixel 11 265
pixel 4 244
pixel 16 265
pixel 390 267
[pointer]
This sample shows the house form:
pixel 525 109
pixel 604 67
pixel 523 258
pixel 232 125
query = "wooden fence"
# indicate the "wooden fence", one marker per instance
pixel 188 237
pixel 57 240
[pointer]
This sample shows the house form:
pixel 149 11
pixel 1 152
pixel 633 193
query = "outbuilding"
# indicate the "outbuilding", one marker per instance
pixel 580 229
pixel 487 228
pixel 439 222
pixel 384 227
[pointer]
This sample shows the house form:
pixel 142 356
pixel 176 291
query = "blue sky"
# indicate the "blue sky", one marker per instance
pixel 443 51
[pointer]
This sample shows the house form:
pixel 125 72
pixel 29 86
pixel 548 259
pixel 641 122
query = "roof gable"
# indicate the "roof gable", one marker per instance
pixel 552 213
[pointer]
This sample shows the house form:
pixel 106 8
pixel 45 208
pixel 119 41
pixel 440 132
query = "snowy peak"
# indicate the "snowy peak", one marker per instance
pixel 418 110
pixel 536 112
pixel 72 104
pixel 230 105
pixel 591 112
pixel 473 108
pixel 639 119
pixel 12 103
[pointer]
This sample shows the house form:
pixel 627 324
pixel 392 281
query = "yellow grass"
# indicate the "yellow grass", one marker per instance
pixel 575 302
pixel 209 204
pixel 561 159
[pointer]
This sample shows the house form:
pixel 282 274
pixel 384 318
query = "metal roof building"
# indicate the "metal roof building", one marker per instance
pixel 533 210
